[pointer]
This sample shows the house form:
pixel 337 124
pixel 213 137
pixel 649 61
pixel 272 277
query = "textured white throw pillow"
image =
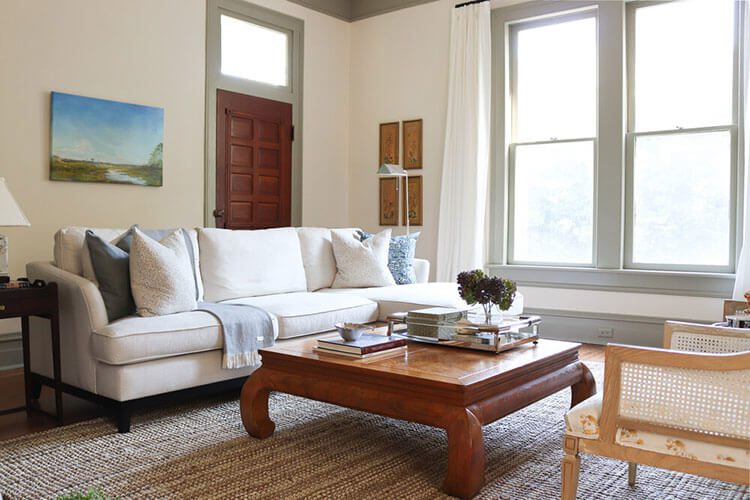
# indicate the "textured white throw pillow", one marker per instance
pixel 161 276
pixel 361 263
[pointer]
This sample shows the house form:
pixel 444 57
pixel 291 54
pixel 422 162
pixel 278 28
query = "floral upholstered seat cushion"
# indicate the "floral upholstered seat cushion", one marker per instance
pixel 686 448
pixel 583 421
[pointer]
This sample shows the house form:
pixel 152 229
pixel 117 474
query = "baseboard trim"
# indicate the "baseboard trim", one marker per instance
pixel 584 326
pixel 11 351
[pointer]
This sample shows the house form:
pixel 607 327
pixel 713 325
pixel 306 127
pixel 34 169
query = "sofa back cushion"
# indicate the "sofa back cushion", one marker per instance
pixel 317 256
pixel 69 243
pixel 239 263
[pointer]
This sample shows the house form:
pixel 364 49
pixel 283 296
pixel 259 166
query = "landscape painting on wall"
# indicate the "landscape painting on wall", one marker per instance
pixel 96 140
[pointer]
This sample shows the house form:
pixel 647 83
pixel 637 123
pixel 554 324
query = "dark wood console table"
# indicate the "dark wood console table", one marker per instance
pixel 42 302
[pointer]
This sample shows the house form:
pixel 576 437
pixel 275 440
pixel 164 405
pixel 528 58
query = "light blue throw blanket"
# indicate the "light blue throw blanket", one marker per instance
pixel 246 329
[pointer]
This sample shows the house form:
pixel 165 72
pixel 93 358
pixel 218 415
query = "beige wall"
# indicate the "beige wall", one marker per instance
pixel 138 51
pixel 399 71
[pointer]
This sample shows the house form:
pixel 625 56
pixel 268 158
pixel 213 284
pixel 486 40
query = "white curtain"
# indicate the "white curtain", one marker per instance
pixel 466 156
pixel 742 283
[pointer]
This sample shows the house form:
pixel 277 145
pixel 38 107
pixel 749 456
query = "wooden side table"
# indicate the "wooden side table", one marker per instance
pixel 42 302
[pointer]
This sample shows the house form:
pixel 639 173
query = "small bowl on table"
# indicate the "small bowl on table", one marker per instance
pixel 351 331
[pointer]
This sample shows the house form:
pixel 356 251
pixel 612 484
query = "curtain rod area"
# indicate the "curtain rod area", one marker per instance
pixel 470 3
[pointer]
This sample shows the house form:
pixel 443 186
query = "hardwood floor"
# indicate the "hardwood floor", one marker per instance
pixel 76 410
pixel 19 423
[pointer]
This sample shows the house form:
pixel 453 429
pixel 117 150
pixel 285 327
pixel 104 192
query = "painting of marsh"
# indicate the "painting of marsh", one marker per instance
pixel 96 140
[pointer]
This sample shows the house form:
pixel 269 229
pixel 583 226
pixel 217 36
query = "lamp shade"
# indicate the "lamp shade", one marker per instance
pixel 388 169
pixel 10 213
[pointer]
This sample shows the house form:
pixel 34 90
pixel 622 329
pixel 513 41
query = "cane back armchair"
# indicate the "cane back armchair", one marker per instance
pixel 685 407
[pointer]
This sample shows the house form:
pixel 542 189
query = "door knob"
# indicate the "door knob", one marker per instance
pixel 218 212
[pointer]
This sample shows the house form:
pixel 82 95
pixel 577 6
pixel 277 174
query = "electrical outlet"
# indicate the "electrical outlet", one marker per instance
pixel 606 333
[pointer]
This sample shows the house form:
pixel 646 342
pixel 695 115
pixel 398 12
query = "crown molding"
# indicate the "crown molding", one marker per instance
pixel 355 10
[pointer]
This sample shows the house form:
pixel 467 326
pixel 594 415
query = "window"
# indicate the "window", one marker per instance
pixel 553 92
pixel 616 145
pixel 254 52
pixel 681 136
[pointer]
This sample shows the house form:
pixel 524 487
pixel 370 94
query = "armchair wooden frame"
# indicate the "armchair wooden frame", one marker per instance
pixel 611 419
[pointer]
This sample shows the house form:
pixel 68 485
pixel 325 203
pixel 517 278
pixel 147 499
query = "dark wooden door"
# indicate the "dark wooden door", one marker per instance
pixel 253 162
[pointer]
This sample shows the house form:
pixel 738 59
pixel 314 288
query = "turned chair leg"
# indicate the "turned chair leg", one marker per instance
pixel 632 470
pixel 571 465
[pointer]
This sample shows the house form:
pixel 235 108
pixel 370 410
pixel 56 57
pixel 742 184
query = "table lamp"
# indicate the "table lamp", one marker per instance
pixel 10 215
pixel 388 170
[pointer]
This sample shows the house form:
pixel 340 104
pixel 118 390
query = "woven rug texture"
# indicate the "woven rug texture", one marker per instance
pixel 318 451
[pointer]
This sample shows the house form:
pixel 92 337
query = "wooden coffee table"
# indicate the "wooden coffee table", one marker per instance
pixel 455 389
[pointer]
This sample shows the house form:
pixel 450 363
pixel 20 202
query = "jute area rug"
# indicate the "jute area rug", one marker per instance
pixel 318 451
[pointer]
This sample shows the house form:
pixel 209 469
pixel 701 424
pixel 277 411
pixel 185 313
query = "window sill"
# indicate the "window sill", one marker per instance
pixel 715 285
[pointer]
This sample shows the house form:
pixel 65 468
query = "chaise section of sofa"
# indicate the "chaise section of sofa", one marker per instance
pixel 137 360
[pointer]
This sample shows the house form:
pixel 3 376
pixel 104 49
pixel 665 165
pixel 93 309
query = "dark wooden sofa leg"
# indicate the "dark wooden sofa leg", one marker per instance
pixel 122 415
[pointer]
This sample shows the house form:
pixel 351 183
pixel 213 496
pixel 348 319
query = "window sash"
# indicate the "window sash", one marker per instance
pixel 567 16
pixel 242 81
pixel 629 263
pixel 735 201
pixel 511 205
pixel 556 18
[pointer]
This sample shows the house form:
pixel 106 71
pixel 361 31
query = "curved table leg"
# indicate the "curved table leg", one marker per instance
pixel 584 388
pixel 254 406
pixel 466 459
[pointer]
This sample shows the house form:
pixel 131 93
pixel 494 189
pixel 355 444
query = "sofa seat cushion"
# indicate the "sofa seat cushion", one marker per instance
pixel 583 421
pixel 304 313
pixel 135 339
pixel 403 298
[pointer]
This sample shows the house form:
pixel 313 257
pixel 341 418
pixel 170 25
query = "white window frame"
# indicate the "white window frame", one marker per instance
pixel 514 28
pixel 610 271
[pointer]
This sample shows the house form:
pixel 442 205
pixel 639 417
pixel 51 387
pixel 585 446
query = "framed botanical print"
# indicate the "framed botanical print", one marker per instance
pixel 389 201
pixel 389 151
pixel 414 210
pixel 412 131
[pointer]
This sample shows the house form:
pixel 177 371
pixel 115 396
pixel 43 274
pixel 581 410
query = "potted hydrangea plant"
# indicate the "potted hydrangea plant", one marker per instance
pixel 475 287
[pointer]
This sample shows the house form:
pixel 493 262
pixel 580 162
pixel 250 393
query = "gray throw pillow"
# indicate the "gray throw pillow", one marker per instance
pixel 112 268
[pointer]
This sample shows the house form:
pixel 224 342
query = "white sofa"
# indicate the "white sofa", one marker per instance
pixel 287 271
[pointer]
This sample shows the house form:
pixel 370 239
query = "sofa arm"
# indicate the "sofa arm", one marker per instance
pixel 422 270
pixel 81 311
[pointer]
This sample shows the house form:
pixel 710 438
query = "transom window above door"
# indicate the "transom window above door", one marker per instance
pixel 254 52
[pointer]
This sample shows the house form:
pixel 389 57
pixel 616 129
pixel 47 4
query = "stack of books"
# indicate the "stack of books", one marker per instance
pixel 15 284
pixel 367 346
pixel 434 322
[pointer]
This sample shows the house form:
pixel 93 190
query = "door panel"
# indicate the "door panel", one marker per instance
pixel 253 162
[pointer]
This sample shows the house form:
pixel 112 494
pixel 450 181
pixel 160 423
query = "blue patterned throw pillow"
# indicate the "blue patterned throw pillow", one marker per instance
pixel 400 256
